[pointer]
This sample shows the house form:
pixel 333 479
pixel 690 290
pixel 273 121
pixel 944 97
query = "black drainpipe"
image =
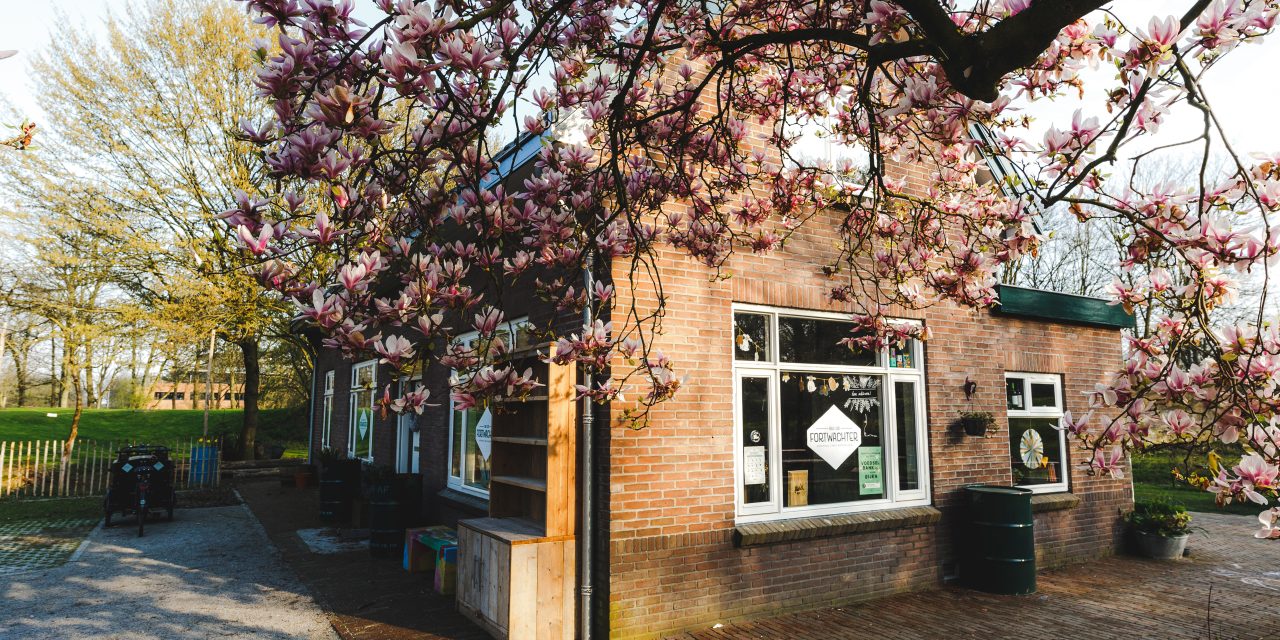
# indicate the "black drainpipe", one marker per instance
pixel 588 457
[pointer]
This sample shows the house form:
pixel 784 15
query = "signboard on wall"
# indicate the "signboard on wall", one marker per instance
pixel 870 466
pixel 834 437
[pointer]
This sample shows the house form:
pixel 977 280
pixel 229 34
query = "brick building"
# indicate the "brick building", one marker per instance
pixel 749 494
pixel 189 395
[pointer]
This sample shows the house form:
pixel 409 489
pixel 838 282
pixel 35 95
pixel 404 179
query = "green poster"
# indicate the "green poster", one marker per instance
pixel 870 464
pixel 364 432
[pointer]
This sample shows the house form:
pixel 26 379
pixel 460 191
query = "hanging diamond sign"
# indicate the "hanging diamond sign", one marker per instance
pixel 834 437
pixel 484 434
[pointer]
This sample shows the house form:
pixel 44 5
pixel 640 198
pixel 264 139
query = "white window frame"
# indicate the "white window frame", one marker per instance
pixel 456 482
pixel 810 147
pixel 353 428
pixel 1030 411
pixel 326 418
pixel 895 498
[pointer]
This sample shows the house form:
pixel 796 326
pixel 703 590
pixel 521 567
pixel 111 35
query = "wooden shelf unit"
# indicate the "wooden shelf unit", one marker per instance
pixel 517 568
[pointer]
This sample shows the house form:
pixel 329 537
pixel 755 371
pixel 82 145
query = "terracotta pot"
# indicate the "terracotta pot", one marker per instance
pixel 302 479
pixel 1160 547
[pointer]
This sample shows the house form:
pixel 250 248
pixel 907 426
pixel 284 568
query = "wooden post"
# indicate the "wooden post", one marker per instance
pixel 562 485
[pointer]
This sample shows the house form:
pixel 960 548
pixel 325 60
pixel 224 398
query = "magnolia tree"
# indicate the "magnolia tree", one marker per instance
pixel 26 131
pixel 703 104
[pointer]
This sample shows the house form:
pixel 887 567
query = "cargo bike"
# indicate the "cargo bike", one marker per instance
pixel 142 483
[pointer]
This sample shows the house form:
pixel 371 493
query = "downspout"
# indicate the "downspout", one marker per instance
pixel 588 457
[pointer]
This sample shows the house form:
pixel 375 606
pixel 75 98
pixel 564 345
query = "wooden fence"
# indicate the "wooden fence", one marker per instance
pixel 34 469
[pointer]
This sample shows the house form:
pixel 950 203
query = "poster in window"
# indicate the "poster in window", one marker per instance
pixel 484 434
pixel 870 467
pixel 797 488
pixel 363 426
pixel 834 437
pixel 753 466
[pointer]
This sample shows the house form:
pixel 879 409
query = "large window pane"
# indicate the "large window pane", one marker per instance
pixel 476 467
pixel 1013 391
pixel 755 439
pixel 362 424
pixel 750 337
pixel 328 421
pixel 810 341
pixel 1036 451
pixel 904 412
pixel 838 473
pixel 1044 395
pixel 459 428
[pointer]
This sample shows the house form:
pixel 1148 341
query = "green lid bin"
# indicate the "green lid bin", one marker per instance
pixel 998 551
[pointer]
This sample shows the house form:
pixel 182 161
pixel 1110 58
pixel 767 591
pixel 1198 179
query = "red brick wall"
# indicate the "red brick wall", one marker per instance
pixel 673 564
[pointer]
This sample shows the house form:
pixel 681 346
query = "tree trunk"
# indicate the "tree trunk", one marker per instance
pixel 249 428
pixel 91 394
pixel 20 374
pixel 71 437
pixel 54 391
pixel 63 378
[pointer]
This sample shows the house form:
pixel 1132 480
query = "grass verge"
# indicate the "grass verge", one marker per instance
pixel 18 510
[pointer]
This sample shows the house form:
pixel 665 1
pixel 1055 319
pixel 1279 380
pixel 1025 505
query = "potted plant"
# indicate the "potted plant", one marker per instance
pixel 1160 529
pixel 977 423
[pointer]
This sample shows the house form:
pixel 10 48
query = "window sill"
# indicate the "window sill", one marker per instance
pixel 796 529
pixel 1042 502
pixel 465 500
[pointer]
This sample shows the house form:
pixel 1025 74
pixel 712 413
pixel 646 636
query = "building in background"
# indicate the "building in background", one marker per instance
pixel 186 395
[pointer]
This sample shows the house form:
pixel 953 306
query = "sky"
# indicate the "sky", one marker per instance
pixel 1241 88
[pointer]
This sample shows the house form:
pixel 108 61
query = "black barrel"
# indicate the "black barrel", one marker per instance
pixel 386 527
pixel 335 498
pixel 999 554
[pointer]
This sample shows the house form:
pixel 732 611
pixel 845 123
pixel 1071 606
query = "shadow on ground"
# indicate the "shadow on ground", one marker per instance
pixel 366 597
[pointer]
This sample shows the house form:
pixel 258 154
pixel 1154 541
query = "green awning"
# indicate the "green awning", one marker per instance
pixel 1060 307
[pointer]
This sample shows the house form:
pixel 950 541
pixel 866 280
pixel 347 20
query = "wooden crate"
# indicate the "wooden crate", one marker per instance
pixel 515 582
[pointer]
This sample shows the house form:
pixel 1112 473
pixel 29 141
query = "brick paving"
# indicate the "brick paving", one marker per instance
pixel 1120 597
pixel 31 545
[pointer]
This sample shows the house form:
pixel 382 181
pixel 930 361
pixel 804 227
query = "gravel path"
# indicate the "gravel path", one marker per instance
pixel 211 573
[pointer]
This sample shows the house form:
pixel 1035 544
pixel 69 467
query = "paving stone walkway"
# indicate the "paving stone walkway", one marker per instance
pixel 1229 588
pixel 32 545
pixel 210 573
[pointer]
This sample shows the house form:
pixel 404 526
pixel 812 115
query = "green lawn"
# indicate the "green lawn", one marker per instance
pixel 1152 479
pixel 19 510
pixel 284 426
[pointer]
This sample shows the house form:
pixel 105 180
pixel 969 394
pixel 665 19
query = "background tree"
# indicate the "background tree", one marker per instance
pixel 62 277
pixel 148 117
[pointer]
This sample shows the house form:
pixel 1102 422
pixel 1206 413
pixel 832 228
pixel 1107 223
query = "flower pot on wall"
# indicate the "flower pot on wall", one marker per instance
pixel 1152 545
pixel 976 424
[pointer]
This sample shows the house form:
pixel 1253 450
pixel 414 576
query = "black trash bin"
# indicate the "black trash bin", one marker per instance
pixel 999 546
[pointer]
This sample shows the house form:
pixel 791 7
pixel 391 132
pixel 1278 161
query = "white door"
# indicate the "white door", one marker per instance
pixel 408 439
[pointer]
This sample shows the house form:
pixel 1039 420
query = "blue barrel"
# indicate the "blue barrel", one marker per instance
pixel 204 465
pixel 999 550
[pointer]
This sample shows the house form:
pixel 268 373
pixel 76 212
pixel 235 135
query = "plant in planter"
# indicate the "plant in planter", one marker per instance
pixel 977 423
pixel 1160 528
